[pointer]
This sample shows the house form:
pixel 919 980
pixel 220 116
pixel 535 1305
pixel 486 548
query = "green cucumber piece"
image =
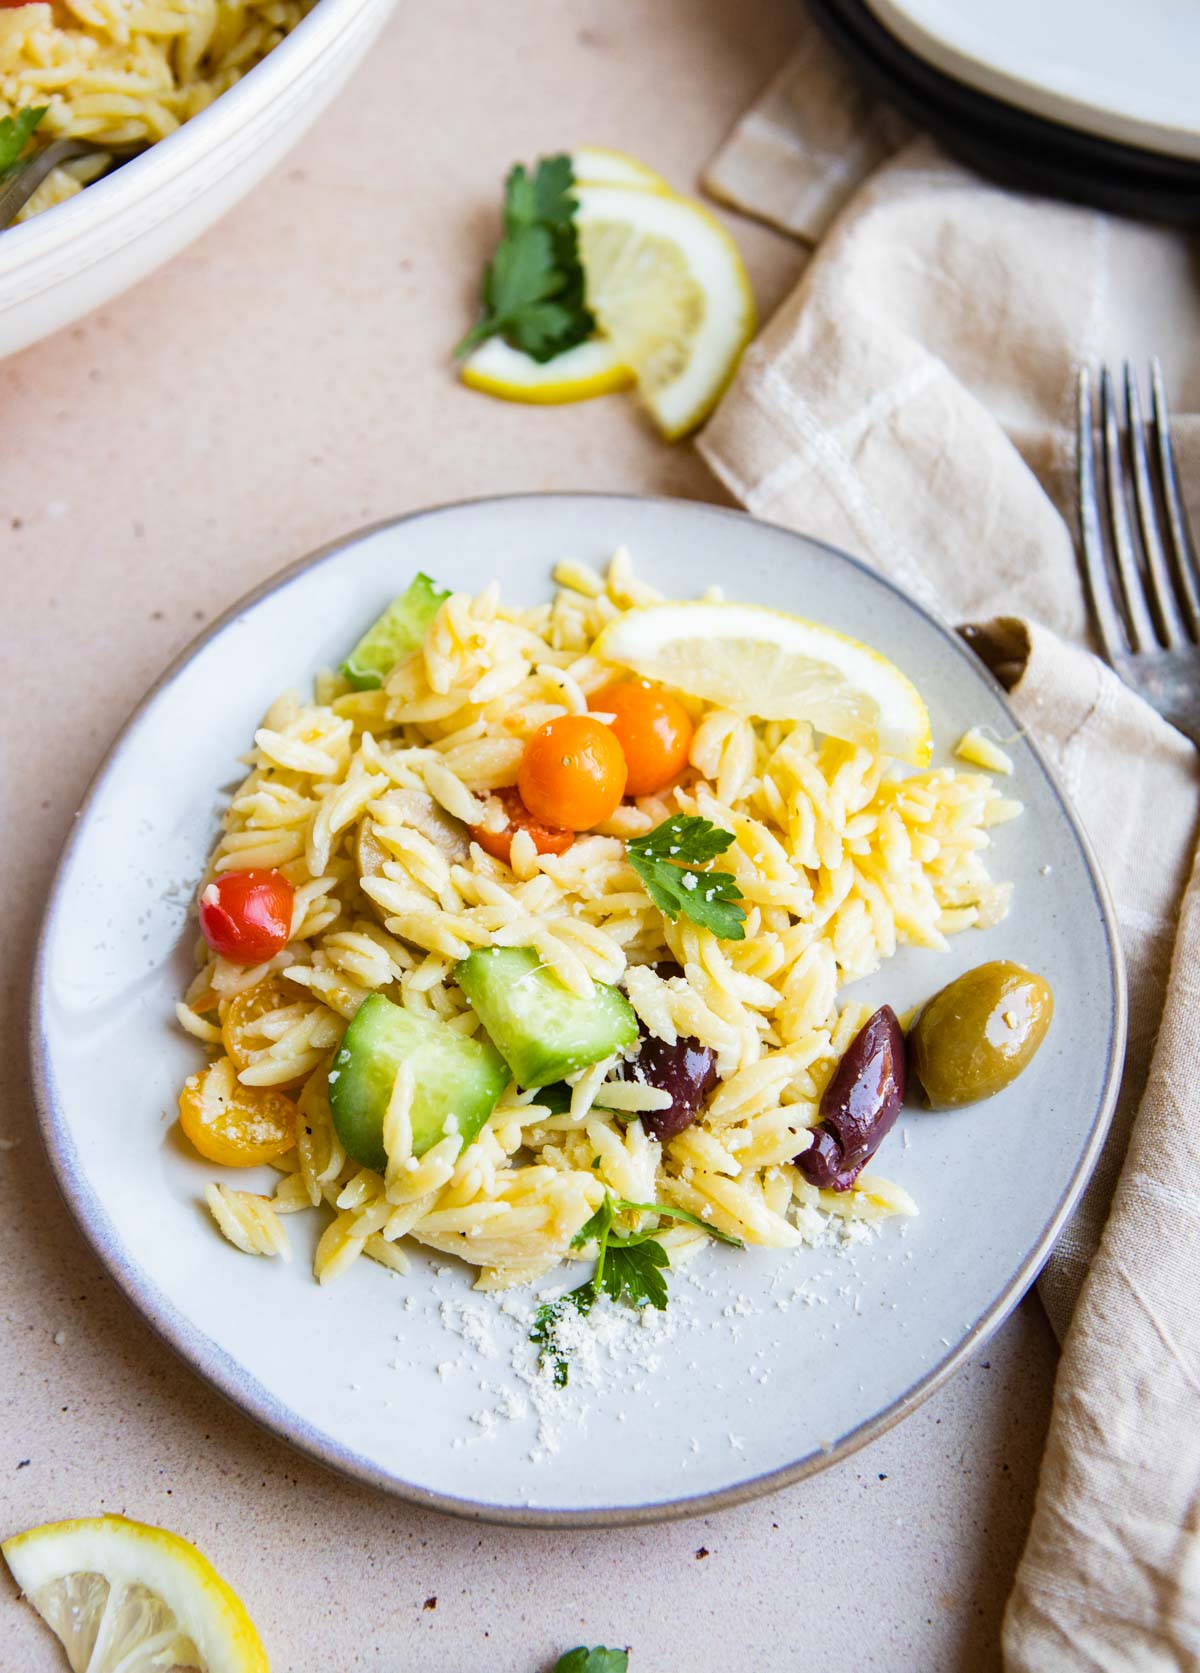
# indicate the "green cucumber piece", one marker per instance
pixel 544 1031
pixel 395 635
pixel 454 1077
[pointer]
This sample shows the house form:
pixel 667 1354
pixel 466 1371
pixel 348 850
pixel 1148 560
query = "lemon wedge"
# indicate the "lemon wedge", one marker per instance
pixel 778 667
pixel 589 369
pixel 597 164
pixel 669 292
pixel 122 1595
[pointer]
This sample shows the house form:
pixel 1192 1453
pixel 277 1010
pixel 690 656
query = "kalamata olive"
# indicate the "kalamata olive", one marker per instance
pixel 686 1070
pixel 860 1104
pixel 978 1034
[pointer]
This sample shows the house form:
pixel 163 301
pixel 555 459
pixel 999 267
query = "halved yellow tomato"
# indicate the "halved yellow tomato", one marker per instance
pixel 244 1042
pixel 233 1125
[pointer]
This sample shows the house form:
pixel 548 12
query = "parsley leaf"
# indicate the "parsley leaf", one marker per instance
pixel 632 1269
pixel 670 861
pixel 628 1264
pixel 533 287
pixel 15 132
pixel 597 1660
pixel 689 1219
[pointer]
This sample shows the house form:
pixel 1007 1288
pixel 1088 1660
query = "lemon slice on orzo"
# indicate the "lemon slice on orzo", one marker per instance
pixel 122 1595
pixel 777 667
pixel 669 292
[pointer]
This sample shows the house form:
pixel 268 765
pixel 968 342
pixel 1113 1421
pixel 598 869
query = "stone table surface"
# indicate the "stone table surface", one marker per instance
pixel 279 383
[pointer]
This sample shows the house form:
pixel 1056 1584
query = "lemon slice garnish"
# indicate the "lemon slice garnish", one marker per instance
pixel 122 1595
pixel 591 368
pixel 777 667
pixel 599 165
pixel 669 292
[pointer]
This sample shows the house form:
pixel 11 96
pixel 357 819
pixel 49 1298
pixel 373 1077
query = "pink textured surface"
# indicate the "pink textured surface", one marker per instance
pixel 283 381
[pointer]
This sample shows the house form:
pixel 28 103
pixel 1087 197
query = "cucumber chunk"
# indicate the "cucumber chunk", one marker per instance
pixel 544 1032
pixel 395 635
pixel 457 1080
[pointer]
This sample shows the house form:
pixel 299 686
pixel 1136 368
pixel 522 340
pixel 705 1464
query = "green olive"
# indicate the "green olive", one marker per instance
pixel 978 1034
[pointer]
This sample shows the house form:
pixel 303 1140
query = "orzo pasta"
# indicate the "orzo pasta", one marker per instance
pixel 127 72
pixel 422 896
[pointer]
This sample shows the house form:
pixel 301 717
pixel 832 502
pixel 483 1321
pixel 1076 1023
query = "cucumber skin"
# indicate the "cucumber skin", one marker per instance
pixel 414 610
pixel 514 995
pixel 364 1071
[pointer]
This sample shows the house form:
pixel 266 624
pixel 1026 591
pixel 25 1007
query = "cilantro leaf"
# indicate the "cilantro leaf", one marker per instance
pixel 15 133
pixel 533 288
pixel 597 1660
pixel 670 861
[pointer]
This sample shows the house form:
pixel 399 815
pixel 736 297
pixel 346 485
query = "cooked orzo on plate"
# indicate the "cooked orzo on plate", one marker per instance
pixel 462 991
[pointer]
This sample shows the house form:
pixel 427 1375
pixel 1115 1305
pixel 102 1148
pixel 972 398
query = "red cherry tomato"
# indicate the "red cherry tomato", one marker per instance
pixel 653 730
pixel 499 843
pixel 572 773
pixel 246 916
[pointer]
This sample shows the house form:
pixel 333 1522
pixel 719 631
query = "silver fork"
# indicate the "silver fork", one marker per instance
pixel 1140 564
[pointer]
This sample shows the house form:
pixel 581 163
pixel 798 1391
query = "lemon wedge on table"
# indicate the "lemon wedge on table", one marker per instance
pixel 777 667
pixel 669 292
pixel 124 1597
pixel 589 369
pixel 597 164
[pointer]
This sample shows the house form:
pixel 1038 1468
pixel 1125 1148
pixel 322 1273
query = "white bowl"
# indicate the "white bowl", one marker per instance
pixel 81 253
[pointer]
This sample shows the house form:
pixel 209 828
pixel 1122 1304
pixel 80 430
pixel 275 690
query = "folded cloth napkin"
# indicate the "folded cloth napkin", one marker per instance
pixel 912 401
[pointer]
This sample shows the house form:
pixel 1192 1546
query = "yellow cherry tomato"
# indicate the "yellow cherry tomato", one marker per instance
pixel 233 1125
pixel 572 773
pixel 244 1040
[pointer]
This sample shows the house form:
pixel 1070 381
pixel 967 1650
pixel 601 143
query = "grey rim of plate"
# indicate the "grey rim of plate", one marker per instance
pixel 224 1372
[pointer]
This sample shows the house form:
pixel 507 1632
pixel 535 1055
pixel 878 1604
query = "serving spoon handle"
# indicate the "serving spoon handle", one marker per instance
pixel 18 191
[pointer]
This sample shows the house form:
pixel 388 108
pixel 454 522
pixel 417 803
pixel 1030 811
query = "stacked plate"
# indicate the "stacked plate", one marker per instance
pixel 1097 103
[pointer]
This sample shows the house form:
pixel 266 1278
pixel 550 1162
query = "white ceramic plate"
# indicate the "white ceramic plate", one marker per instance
pixel 1125 72
pixel 413 1383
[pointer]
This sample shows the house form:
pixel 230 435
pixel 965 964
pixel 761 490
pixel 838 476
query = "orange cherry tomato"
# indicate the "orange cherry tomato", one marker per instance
pixel 498 844
pixel 653 730
pixel 233 1125
pixel 246 916
pixel 572 773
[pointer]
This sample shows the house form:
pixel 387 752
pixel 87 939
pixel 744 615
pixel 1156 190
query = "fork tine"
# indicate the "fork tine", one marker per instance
pixel 1183 548
pixel 1137 616
pixel 1091 524
pixel 1162 592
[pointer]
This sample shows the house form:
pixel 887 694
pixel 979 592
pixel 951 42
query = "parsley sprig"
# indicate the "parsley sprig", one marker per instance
pixel 15 134
pixel 595 1660
pixel 628 1264
pixel 533 287
pixel 671 862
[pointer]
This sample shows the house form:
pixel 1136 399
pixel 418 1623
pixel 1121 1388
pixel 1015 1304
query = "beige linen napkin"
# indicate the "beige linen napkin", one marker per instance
pixel 912 402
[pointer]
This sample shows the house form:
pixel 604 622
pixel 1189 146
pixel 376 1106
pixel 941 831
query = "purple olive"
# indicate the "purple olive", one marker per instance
pixel 860 1104
pixel 686 1070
